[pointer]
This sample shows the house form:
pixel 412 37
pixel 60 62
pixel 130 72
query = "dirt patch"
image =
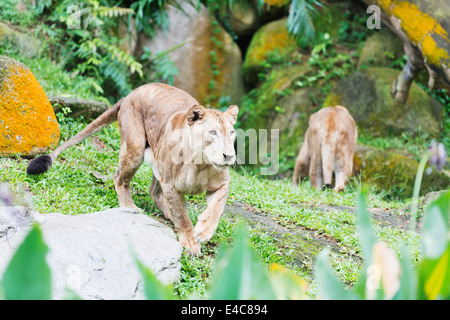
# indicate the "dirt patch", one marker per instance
pixel 306 244
pixel 393 218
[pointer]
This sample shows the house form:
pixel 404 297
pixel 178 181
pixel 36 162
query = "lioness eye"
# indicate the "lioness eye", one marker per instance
pixel 213 132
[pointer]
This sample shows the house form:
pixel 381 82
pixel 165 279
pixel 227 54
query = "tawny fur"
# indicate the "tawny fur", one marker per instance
pixel 189 147
pixel 329 146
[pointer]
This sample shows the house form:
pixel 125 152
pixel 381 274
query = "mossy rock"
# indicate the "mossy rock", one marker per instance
pixel 366 94
pixel 28 125
pixel 27 45
pixel 394 172
pixel 380 50
pixel 272 38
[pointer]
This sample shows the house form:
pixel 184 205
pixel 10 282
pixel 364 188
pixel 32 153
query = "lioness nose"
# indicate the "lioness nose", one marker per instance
pixel 228 157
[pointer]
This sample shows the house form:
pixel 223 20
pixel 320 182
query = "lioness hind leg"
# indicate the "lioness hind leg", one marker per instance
pixel 128 165
pixel 131 156
pixel 315 171
pixel 158 198
pixel 344 166
pixel 302 164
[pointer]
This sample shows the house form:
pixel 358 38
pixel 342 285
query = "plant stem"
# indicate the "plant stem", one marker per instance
pixel 416 191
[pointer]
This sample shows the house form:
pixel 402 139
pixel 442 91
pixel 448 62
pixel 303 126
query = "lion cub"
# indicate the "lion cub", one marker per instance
pixel 329 145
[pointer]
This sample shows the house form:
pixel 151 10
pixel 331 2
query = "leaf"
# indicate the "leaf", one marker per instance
pixel 27 276
pixel 153 289
pixel 367 240
pixel 239 274
pixel 435 227
pixel 329 286
pixel 438 280
pixel 408 279
pixel 286 284
pixel 367 236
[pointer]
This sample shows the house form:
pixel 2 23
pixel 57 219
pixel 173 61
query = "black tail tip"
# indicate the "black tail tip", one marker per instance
pixel 39 165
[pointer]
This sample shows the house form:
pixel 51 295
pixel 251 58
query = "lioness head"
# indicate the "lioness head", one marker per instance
pixel 212 135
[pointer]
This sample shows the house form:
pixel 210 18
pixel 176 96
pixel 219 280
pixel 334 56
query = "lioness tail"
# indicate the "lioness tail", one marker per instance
pixel 43 163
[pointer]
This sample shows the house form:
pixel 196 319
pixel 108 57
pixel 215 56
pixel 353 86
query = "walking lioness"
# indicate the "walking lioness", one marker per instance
pixel 329 145
pixel 190 149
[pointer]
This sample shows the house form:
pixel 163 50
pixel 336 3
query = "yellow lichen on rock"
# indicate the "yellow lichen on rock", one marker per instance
pixel 28 125
pixel 420 28
pixel 276 3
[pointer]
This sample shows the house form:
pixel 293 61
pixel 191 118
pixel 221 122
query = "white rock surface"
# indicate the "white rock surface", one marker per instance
pixel 93 254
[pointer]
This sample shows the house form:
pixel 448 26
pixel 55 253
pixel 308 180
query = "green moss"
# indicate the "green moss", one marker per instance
pixel 380 50
pixel 271 38
pixel 395 173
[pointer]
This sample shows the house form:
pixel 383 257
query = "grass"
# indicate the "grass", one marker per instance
pixel 80 181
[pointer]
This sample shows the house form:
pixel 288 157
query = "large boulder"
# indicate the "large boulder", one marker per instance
pixel 208 61
pixel 93 254
pixel 244 18
pixel 271 39
pixel 366 94
pixel 380 50
pixel 28 125
pixel 27 45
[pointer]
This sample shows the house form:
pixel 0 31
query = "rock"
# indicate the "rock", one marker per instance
pixel 79 107
pixel 93 253
pixel 380 50
pixel 28 125
pixel 272 38
pixel 431 196
pixel 423 27
pixel 366 94
pixel 394 172
pixel 208 61
pixel 244 18
pixel 27 45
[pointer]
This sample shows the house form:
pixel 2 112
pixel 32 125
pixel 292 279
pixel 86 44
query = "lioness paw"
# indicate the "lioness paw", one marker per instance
pixel 203 231
pixel 191 246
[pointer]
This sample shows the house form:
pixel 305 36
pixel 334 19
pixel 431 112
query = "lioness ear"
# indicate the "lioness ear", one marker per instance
pixel 195 113
pixel 232 113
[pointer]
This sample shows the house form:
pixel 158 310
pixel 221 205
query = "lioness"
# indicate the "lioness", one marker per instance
pixel 329 145
pixel 190 149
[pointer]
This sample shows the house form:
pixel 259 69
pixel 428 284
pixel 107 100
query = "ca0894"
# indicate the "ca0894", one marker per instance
pixel 246 309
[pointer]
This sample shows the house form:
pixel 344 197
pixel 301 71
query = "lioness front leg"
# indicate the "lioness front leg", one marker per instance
pixel 209 220
pixel 178 214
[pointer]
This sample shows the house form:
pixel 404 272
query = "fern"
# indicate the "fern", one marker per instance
pixel 113 11
pixel 119 75
pixel 300 20
pixel 89 50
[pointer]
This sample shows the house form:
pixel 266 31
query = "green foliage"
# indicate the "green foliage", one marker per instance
pixel 300 19
pixel 27 276
pixel 153 289
pixel 239 273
